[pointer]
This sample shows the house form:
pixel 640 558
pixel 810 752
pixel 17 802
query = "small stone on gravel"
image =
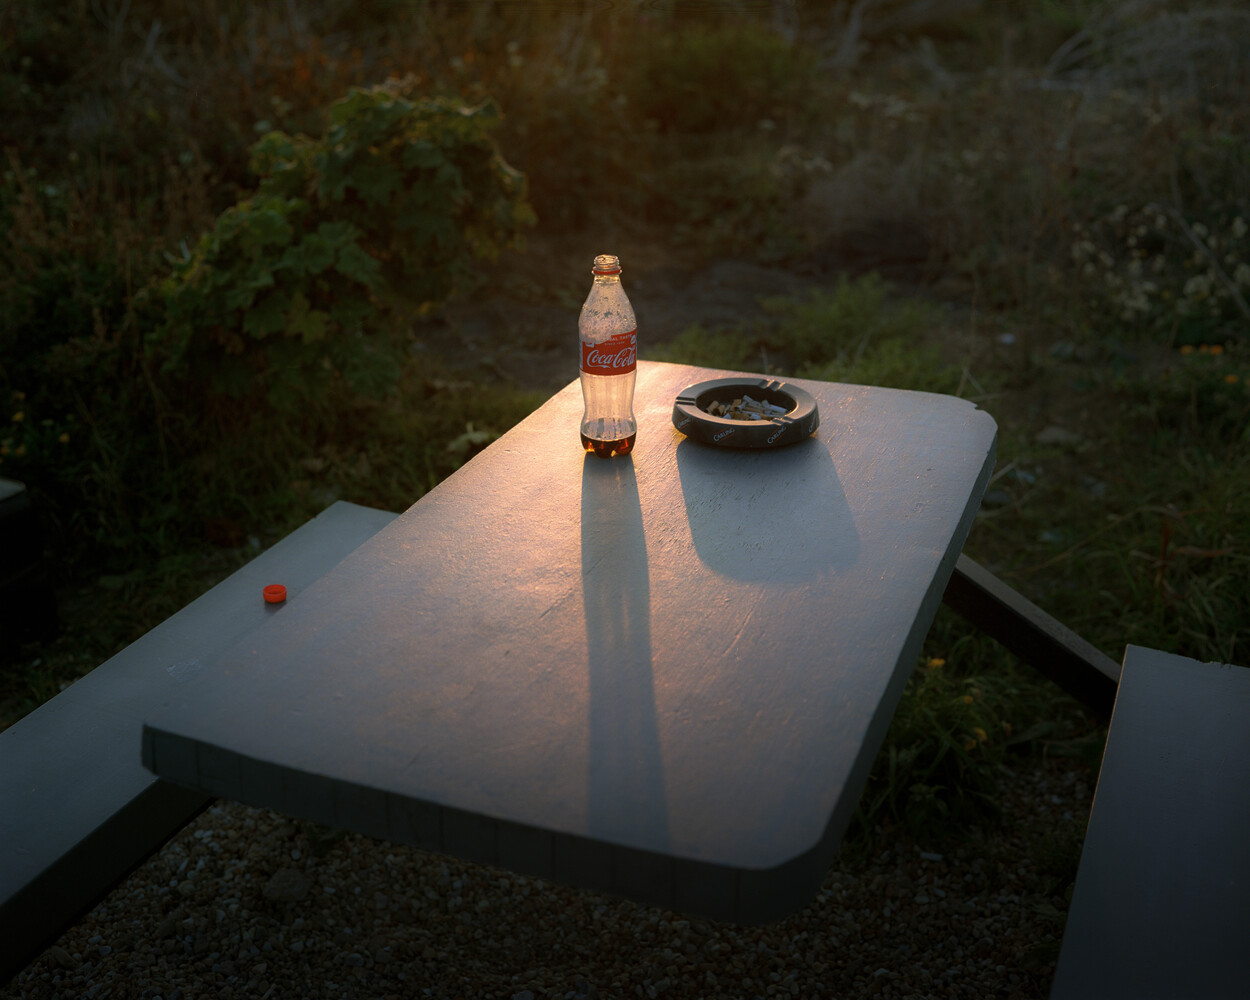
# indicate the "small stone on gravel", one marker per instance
pixel 286 885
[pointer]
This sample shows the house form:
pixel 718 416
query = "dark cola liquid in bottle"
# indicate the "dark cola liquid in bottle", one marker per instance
pixel 609 336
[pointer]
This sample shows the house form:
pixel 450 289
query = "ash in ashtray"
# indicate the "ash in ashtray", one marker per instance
pixel 746 408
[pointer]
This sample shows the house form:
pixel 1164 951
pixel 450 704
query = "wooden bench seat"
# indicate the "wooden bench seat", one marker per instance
pixel 1161 906
pixel 78 811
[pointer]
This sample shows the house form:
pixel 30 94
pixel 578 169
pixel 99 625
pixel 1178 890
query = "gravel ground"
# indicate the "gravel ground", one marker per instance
pixel 246 903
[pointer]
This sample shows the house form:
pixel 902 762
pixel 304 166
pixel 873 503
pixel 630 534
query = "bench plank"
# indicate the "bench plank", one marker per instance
pixel 1161 906
pixel 78 811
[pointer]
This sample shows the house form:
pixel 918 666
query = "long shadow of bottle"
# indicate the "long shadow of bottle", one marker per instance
pixel 627 799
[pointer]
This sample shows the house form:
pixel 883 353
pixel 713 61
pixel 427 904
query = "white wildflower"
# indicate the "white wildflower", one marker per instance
pixel 1134 304
pixel 1198 287
pixel 1083 250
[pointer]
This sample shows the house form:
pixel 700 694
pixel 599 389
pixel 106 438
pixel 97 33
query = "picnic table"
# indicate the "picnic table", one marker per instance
pixel 664 676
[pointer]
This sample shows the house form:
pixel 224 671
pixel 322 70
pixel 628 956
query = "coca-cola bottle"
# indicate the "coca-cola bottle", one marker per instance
pixel 609 335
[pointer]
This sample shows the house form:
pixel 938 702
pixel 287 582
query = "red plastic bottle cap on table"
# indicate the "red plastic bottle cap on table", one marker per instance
pixel 275 593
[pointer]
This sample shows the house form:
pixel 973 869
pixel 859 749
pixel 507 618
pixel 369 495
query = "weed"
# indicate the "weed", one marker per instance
pixel 968 711
pixel 946 743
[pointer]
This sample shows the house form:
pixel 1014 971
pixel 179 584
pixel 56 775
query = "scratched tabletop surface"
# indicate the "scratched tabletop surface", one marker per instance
pixel 664 676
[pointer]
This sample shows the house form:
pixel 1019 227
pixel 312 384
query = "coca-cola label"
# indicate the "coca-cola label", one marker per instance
pixel 617 355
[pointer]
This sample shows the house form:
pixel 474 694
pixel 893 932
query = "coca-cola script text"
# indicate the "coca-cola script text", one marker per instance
pixel 617 355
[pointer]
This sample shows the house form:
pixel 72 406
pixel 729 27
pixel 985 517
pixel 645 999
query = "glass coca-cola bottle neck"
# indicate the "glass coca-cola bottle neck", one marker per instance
pixel 607 267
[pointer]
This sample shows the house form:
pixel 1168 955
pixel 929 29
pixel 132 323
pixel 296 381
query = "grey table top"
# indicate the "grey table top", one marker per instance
pixel 664 676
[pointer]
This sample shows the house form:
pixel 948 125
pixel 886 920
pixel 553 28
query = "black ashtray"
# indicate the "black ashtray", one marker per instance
pixel 797 423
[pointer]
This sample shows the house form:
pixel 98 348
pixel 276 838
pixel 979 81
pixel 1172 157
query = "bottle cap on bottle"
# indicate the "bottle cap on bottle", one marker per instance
pixel 607 264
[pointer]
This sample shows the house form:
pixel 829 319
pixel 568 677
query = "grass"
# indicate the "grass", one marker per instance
pixel 1064 215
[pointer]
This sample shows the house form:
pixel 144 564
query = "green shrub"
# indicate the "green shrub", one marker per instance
pixel 711 77
pixel 348 237
pixel 854 332
pixel 857 332
pixel 80 415
pixel 696 345
pixel 69 255
pixel 829 325
pixel 568 126
pixel 137 398
pixel 723 204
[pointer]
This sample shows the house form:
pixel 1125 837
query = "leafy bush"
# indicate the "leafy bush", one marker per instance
pixel 348 236
pixel 123 380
